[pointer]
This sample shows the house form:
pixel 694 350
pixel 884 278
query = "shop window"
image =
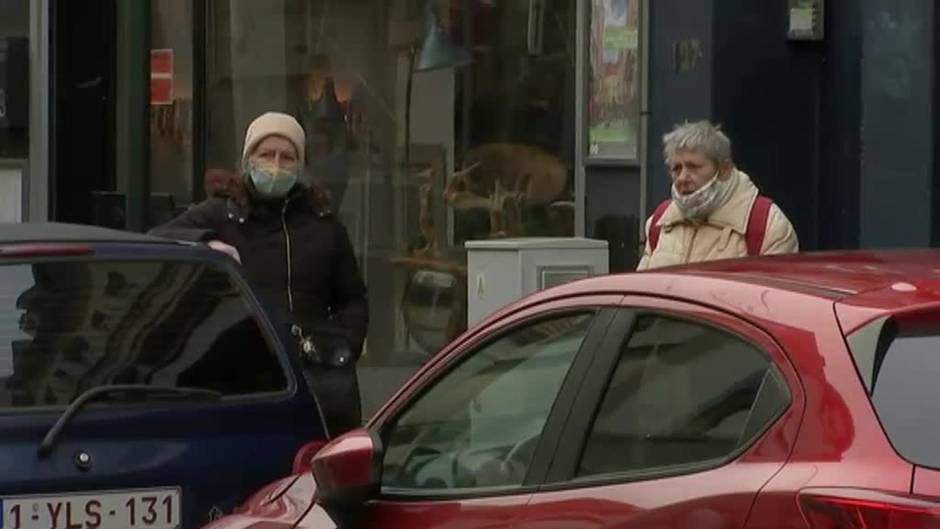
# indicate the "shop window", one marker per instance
pixel 422 144
pixel 171 108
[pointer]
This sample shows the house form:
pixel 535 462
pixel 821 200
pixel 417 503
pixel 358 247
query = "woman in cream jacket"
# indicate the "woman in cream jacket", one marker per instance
pixel 711 207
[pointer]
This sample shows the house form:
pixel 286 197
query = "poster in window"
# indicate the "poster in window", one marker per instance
pixel 613 95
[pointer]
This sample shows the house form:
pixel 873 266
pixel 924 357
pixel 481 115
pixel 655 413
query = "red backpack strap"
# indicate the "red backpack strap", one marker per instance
pixel 757 225
pixel 655 228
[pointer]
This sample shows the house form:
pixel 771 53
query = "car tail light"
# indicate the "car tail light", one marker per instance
pixel 867 509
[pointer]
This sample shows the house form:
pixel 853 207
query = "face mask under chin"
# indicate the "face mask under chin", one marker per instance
pixel 703 201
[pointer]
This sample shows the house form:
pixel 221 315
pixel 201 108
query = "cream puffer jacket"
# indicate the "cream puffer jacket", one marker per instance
pixel 721 236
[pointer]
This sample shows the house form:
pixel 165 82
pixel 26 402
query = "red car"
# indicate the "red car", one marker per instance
pixel 787 392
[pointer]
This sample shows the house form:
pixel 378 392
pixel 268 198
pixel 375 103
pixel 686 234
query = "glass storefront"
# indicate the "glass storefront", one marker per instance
pixel 14 108
pixel 171 107
pixel 428 123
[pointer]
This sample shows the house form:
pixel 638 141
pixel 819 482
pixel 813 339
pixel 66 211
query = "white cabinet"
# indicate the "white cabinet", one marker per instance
pixel 501 271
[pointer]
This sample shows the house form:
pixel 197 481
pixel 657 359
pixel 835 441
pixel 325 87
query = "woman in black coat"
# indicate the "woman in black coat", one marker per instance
pixel 296 253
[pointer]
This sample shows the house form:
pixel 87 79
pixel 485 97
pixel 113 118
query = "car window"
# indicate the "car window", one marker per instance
pixel 478 425
pixel 900 365
pixel 68 326
pixel 681 393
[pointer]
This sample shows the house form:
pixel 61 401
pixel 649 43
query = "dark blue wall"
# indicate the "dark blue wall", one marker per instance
pixel 764 90
pixel 767 96
pixel 841 133
pixel 677 91
pixel 840 127
pixel 897 123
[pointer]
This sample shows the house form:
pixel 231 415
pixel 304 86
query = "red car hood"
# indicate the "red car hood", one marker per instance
pixel 283 504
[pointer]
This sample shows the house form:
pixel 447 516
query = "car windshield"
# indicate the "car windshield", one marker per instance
pixel 68 326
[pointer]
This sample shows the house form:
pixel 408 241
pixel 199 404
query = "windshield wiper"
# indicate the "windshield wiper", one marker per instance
pixel 100 392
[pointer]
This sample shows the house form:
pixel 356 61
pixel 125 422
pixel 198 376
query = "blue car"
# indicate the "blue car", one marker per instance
pixel 141 382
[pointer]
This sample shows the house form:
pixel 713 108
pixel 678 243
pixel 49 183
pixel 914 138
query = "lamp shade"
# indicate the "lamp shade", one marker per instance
pixel 438 51
pixel 327 107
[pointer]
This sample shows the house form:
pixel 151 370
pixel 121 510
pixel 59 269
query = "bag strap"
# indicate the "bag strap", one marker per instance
pixel 757 225
pixel 655 228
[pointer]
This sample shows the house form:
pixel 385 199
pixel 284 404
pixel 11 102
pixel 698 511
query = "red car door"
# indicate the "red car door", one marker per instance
pixel 467 443
pixel 679 426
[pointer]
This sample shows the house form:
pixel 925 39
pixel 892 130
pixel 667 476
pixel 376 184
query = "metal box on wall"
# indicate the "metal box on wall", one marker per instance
pixel 501 271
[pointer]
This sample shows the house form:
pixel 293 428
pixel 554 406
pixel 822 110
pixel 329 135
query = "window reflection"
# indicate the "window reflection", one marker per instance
pixel 171 108
pixel 682 393
pixel 416 161
pixel 14 79
pixel 478 426
pixel 67 327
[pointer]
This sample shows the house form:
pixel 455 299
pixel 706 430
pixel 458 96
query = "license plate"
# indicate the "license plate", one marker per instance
pixel 152 508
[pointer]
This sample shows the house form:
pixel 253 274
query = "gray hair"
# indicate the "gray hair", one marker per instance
pixel 699 136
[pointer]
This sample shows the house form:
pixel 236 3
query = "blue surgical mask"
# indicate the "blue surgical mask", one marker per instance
pixel 271 180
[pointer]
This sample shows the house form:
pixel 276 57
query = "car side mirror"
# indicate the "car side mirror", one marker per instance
pixel 304 456
pixel 348 474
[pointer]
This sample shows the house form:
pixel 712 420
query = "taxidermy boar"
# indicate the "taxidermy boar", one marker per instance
pixel 506 178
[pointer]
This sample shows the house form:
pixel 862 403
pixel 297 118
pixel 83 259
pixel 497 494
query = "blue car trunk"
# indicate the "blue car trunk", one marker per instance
pixel 141 385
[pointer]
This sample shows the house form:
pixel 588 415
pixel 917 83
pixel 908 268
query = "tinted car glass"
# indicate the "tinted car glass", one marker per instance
pixel 682 393
pixel 900 366
pixel 67 326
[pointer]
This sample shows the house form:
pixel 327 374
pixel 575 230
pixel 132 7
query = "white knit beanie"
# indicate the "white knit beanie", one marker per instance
pixel 275 124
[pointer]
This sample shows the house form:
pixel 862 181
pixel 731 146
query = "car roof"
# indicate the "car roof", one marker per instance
pixel 828 275
pixel 58 232
pixel 832 274
pixel 861 284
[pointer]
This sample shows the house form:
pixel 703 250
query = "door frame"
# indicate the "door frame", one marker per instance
pixel 37 190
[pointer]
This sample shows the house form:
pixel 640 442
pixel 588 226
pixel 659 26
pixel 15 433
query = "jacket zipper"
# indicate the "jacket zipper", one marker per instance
pixel 688 251
pixel 290 281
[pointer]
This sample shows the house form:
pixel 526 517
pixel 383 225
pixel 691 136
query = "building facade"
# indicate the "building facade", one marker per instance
pixel 435 122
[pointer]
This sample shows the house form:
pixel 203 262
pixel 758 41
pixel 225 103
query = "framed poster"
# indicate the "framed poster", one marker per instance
pixel 613 88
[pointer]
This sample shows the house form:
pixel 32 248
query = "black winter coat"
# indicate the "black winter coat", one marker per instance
pixel 299 257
